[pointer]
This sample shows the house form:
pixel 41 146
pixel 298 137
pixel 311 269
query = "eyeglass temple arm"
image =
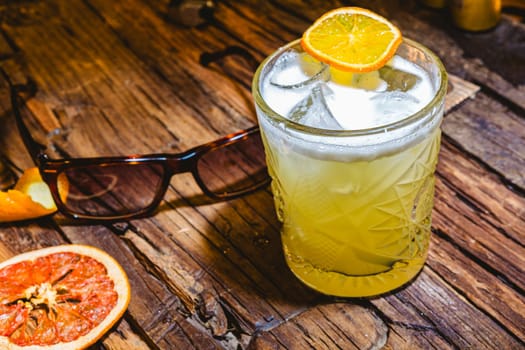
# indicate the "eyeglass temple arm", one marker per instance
pixel 36 150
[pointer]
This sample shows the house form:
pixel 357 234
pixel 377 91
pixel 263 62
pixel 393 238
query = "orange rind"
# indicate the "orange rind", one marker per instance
pixel 29 199
pixel 352 39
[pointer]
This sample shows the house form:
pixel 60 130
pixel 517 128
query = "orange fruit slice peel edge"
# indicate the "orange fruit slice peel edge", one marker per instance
pixel 29 199
pixel 352 39
pixel 116 285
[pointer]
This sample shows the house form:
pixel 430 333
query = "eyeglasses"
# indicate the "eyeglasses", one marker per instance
pixel 119 188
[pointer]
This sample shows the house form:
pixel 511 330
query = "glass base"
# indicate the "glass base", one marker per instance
pixel 342 285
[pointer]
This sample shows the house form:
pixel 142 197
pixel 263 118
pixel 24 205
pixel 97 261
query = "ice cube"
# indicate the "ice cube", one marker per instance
pixel 295 70
pixel 313 110
pixel 391 106
pixel 370 81
pixel 398 80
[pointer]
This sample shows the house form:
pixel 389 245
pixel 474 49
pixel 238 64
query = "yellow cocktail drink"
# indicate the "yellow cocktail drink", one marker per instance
pixel 352 160
pixel 355 228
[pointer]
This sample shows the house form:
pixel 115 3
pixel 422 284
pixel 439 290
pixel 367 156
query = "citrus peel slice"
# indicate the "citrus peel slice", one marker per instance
pixel 352 39
pixel 30 198
pixel 60 298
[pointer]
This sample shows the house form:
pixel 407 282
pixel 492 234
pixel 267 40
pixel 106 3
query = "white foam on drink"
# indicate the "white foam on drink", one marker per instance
pixel 357 102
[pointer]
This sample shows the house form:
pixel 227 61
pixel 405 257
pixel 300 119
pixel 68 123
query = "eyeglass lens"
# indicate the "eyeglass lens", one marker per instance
pixel 235 168
pixel 110 190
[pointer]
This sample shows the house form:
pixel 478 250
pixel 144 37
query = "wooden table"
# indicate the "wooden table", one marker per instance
pixel 123 77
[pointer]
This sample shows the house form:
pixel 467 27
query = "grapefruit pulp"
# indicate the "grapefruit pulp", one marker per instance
pixel 62 297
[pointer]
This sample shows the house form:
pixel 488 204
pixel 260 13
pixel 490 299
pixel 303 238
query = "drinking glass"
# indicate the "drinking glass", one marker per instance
pixel 355 205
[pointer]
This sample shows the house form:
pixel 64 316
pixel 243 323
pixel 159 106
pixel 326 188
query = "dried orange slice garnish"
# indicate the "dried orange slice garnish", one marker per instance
pixel 59 298
pixel 30 198
pixel 352 39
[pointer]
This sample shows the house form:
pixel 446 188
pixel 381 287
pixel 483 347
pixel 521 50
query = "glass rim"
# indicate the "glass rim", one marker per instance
pixel 408 120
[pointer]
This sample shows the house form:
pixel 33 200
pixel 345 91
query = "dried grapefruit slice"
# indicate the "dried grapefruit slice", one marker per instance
pixel 30 198
pixel 352 39
pixel 60 298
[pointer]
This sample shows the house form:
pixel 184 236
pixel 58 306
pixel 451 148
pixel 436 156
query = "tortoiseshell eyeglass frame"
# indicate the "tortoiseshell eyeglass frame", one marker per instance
pixel 172 163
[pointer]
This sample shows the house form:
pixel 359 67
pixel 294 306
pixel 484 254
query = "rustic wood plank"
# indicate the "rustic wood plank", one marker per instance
pixel 124 338
pixel 330 326
pixel 97 70
pixel 212 275
pixel 231 258
pixel 402 320
pixel 11 144
pixel 459 90
pixel 203 87
pixel 481 286
pixel 6 50
pixel 93 62
pixel 499 141
pixel 7 173
pixel 445 313
pixel 485 241
pixel 159 314
pixel 475 193
pixel 498 70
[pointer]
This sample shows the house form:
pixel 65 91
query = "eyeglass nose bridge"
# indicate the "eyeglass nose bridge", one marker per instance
pixel 178 164
pixel 185 162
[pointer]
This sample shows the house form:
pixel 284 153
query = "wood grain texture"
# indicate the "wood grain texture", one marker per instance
pixel 119 77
